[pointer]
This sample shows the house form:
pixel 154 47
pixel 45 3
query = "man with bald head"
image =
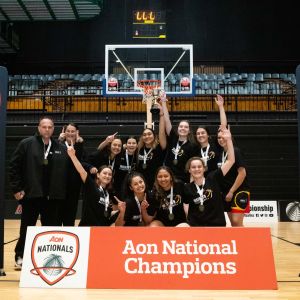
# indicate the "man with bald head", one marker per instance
pixel 37 173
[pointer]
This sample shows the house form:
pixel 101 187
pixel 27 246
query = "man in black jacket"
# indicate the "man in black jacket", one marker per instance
pixel 37 173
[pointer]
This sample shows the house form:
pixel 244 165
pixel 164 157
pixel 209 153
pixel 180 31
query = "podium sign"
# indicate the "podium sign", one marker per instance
pixel 149 258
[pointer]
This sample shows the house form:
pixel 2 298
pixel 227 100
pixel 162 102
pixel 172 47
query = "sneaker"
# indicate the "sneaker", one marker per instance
pixel 19 262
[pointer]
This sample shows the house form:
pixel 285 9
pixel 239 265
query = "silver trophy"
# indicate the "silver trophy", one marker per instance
pixel 154 107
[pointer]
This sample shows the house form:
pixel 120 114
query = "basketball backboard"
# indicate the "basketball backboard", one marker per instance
pixel 168 66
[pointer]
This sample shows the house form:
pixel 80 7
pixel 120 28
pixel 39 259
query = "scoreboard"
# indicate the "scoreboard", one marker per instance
pixel 148 24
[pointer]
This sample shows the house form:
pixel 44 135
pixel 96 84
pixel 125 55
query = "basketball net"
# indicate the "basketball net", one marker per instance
pixel 147 86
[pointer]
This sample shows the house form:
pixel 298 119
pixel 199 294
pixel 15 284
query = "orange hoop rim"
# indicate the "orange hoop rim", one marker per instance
pixel 146 84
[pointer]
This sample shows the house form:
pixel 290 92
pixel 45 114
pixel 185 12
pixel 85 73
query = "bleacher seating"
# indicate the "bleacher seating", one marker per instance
pixel 205 84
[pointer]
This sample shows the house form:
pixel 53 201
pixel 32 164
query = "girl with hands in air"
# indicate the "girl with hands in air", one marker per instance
pixel 137 208
pixel 98 207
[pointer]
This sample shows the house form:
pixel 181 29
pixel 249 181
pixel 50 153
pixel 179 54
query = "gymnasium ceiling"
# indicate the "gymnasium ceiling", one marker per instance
pixel 48 10
pixel 12 11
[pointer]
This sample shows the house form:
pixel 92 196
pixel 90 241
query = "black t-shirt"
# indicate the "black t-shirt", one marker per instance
pixel 154 159
pixel 186 151
pixel 101 157
pixel 230 177
pixel 213 213
pixel 124 167
pixel 93 213
pixel 133 215
pixel 162 203
pixel 212 157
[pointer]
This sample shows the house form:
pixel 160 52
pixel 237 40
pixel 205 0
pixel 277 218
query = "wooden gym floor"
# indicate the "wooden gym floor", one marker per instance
pixel 286 248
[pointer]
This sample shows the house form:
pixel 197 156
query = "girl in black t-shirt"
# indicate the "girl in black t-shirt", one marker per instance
pixel 180 144
pixel 137 209
pixel 235 187
pixel 108 153
pixel 68 209
pixel 208 150
pixel 167 196
pixel 151 152
pixel 127 163
pixel 203 200
pixel 98 208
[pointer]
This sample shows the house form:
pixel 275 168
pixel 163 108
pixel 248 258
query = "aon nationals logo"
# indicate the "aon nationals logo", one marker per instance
pixel 54 254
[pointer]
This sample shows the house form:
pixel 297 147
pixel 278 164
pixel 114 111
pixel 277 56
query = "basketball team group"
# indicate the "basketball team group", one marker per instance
pixel 173 178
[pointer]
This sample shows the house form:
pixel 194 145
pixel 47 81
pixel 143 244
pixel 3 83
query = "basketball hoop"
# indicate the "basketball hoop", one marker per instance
pixel 147 86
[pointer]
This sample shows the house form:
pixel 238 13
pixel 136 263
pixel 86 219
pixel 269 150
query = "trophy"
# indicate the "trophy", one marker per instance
pixel 155 108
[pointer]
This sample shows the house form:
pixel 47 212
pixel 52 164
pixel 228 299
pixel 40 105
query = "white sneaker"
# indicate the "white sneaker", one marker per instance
pixel 19 262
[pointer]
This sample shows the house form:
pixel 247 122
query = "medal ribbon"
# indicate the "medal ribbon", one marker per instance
pixel 224 157
pixel 46 151
pixel 111 163
pixel 204 154
pixel 139 206
pixel 200 191
pixel 177 149
pixel 106 197
pixel 146 154
pixel 171 201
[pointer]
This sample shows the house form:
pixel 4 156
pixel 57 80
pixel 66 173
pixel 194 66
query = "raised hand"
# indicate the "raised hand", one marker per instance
pixel 121 205
pixel 144 204
pixel 79 139
pixel 110 138
pixel 163 96
pixel 19 195
pixel 62 135
pixel 219 100
pixel 225 132
pixel 93 170
pixel 70 149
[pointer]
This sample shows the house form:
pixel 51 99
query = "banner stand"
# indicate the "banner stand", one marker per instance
pixel 3 98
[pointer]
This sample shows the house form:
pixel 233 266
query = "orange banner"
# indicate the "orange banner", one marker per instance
pixel 181 258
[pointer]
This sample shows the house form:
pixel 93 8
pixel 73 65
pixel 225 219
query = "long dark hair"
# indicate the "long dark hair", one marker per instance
pixel 126 190
pixel 101 168
pixel 158 191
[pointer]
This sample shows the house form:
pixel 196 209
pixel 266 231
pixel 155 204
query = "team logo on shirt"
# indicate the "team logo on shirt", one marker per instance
pixel 54 254
pixel 207 194
pixel 148 157
pixel 211 155
pixel 179 152
pixel 165 204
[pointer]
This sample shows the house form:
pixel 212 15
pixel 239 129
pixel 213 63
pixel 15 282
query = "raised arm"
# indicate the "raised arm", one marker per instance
pixel 226 135
pixel 120 221
pixel 146 217
pixel 107 141
pixel 77 164
pixel 220 102
pixel 162 130
pixel 163 101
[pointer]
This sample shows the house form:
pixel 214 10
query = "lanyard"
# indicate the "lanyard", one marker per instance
pixel 127 161
pixel 178 147
pixel 111 163
pixel 224 157
pixel 200 191
pixel 204 154
pixel 46 151
pixel 146 154
pixel 106 197
pixel 139 206
pixel 171 201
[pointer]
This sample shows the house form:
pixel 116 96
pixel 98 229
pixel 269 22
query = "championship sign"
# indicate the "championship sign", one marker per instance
pixel 149 258
pixel 55 257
